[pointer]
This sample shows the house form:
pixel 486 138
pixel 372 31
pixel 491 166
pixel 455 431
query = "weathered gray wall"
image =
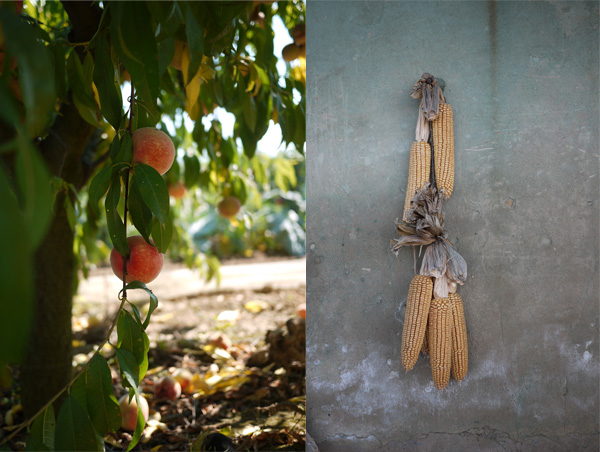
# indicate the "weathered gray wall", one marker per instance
pixel 522 78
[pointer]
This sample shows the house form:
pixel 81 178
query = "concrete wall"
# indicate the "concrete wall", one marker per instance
pixel 522 78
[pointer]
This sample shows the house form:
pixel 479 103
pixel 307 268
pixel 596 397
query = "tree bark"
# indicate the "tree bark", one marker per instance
pixel 47 367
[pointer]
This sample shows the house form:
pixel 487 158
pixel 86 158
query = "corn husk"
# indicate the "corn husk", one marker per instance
pixel 424 226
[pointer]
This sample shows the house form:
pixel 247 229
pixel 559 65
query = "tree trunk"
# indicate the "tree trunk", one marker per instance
pixel 47 367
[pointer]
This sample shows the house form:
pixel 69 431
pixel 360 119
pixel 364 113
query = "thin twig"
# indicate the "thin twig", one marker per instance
pixel 131 101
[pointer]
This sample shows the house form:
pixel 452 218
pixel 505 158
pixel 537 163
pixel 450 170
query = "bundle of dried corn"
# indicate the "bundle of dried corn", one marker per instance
pixel 434 322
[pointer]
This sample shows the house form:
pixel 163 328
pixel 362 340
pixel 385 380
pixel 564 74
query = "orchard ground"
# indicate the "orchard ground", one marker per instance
pixel 260 405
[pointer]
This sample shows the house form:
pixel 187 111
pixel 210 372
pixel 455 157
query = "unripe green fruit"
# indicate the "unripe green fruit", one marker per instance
pixel 153 147
pixel 144 263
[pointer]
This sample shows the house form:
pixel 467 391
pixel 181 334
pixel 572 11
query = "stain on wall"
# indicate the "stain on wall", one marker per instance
pixel 522 78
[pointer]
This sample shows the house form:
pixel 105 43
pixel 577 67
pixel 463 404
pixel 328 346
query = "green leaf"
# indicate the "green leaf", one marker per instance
pixel 162 234
pixel 82 91
pixel 166 51
pixel 195 41
pixel 70 211
pixel 16 276
pixel 125 152
pixel 139 426
pixel 141 216
pixel 129 368
pixel 74 430
pixel 136 312
pixel 115 148
pixel 43 429
pixel 34 184
pixel 285 176
pixel 109 94
pixel 22 39
pixel 249 112
pixel 98 187
pixel 238 189
pixel 32 444
pixel 134 339
pixel 60 71
pixel 153 299
pixel 217 18
pixel 191 170
pixel 227 152
pixel 153 190
pixel 102 404
pixel 131 31
pixel 168 15
pixel 8 107
pixel 78 391
pixel 114 223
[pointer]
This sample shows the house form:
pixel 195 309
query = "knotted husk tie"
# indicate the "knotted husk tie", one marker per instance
pixel 425 227
pixel 428 90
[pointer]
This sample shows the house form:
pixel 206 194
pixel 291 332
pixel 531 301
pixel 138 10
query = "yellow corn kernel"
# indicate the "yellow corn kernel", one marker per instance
pixel 425 346
pixel 440 341
pixel 415 319
pixel 418 171
pixel 460 351
pixel 443 150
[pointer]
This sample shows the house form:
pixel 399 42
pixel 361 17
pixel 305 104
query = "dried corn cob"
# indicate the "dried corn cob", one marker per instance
pixel 460 352
pixel 418 171
pixel 425 346
pixel 443 150
pixel 440 341
pixel 415 319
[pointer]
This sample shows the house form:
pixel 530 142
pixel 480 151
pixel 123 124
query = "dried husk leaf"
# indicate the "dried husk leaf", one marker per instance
pixel 434 261
pixel 425 220
pixel 441 286
pixel 428 90
pixel 422 130
pixel 456 266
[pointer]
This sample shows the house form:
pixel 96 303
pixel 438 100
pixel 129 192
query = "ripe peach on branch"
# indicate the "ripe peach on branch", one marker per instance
pixel 154 148
pixel 144 264
pixel 177 190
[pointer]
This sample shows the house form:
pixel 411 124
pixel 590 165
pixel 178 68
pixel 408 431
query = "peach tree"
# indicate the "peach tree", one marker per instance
pixel 77 154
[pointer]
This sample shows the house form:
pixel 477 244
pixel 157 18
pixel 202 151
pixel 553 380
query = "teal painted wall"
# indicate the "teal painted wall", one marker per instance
pixel 522 78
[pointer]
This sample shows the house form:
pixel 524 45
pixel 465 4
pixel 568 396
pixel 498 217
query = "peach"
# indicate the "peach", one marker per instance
pixel 153 147
pixel 177 190
pixel 290 52
pixel 229 206
pixel 183 377
pixel 298 34
pixel 144 263
pixel 129 412
pixel 167 388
